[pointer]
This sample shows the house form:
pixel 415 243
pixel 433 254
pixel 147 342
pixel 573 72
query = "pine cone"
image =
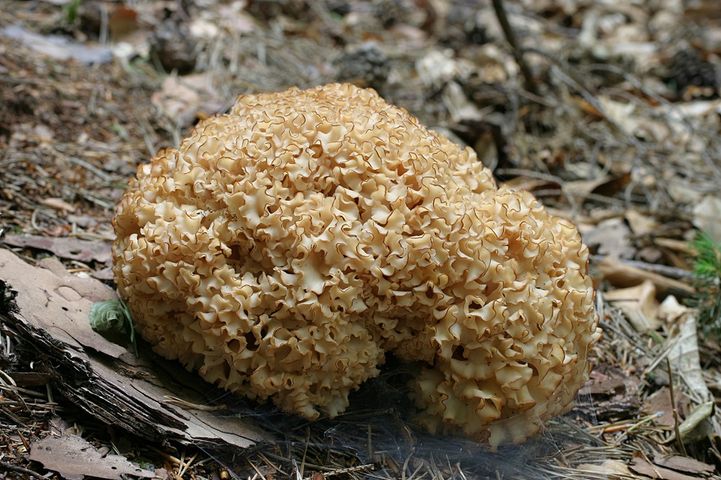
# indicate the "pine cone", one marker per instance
pixel 688 69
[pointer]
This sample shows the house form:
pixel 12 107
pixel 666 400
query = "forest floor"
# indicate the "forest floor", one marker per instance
pixel 609 112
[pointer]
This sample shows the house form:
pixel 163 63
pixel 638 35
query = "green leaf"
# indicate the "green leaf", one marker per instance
pixel 112 320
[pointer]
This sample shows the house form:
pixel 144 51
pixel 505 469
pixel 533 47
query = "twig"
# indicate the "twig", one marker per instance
pixel 665 270
pixel 676 430
pixel 91 168
pixel 26 471
pixel 510 35
pixel 345 471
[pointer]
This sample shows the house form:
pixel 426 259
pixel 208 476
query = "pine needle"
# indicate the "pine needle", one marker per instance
pixel 707 268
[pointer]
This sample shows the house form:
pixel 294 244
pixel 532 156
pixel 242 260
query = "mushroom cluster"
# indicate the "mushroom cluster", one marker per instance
pixel 285 247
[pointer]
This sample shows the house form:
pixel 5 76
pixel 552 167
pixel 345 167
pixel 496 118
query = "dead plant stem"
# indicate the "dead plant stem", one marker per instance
pixel 510 36
pixel 676 429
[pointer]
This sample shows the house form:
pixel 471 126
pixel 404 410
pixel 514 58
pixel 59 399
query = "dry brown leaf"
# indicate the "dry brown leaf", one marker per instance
pixel 674 245
pixel 74 458
pixel 461 109
pixel 639 304
pixel 611 186
pixel 581 188
pixel 621 275
pixel 235 19
pixel 608 467
pixel 183 98
pixel 588 108
pixel 683 190
pixel 58 204
pixel 644 467
pixel 698 425
pixel 621 114
pixel 670 311
pixel 640 223
pixel 605 185
pixel 604 384
pixel 122 21
pixel 684 354
pixel 684 464
pixel 64 247
pixel 437 67
pixel 706 216
pixel 529 184
pixel 659 402
pixel 611 237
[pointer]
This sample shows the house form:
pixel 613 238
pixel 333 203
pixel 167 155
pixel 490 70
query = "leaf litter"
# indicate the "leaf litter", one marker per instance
pixel 622 139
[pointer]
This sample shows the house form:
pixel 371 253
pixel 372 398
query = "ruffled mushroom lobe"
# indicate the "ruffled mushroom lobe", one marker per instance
pixel 282 249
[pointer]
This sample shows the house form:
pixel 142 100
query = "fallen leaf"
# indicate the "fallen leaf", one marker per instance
pixel 621 114
pixel 183 98
pixel 611 237
pixel 659 402
pixel 706 216
pixel 640 224
pixel 683 191
pixel 53 300
pixel 581 188
pixel 43 133
pixel 103 274
pixel 58 204
pixel 74 458
pixel 674 245
pixel 64 247
pixel 611 186
pixel 235 19
pixel 529 184
pixel 437 68
pixel 644 467
pixel 670 311
pixel 650 255
pixel 608 467
pixel 698 415
pixel 122 21
pixel 462 110
pixel 684 464
pixel 202 28
pixel 683 354
pixel 605 185
pixel 621 275
pixel 602 384
pixel 409 36
pixel 639 304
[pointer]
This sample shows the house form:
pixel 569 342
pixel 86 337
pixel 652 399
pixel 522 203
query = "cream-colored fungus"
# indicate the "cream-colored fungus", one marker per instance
pixel 285 247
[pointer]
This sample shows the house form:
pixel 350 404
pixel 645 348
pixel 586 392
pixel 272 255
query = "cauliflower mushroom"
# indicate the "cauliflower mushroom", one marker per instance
pixel 285 247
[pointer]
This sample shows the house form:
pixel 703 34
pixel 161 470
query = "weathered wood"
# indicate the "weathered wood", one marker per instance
pixel 104 379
